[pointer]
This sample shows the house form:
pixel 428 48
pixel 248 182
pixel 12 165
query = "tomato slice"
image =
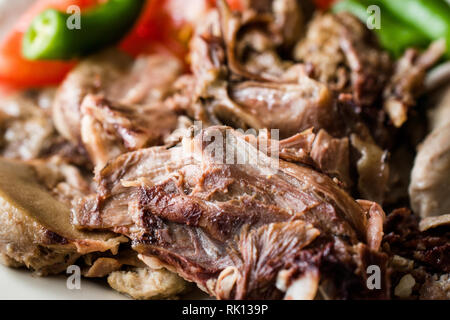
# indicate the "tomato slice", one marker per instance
pixel 17 72
pixel 166 26
pixel 324 4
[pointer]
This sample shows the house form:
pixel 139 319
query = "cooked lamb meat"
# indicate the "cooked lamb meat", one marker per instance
pixel 100 265
pixel 407 83
pixel 252 39
pixel 321 151
pixel 254 104
pixel 373 169
pixel 145 283
pixel 108 130
pixel 288 107
pixel 116 76
pixel 345 56
pixel 421 256
pixel 429 187
pixel 129 275
pixel 35 226
pixel 250 230
pixel 26 132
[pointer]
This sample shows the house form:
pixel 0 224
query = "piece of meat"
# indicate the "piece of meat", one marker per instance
pixel 26 132
pixel 407 82
pixel 419 259
pixel 100 265
pixel 345 56
pixel 145 283
pixel 373 169
pixel 223 90
pixel 289 107
pixel 439 113
pixel 430 248
pixel 320 151
pixel 254 38
pixel 292 107
pixel 434 222
pixel 429 186
pixel 119 78
pixel 436 288
pixel 108 129
pixel 332 156
pixel 35 226
pixel 230 218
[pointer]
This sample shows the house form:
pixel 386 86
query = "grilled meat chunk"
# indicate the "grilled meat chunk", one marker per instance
pixel 345 56
pixel 26 132
pixel 108 130
pixel 254 102
pixel 428 189
pixel 227 88
pixel 237 222
pixel 35 226
pixel 145 283
pixel 114 75
pixel 420 252
pixel 407 82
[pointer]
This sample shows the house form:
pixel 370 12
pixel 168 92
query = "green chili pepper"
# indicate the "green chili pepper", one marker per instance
pixel 432 17
pixel 394 35
pixel 49 36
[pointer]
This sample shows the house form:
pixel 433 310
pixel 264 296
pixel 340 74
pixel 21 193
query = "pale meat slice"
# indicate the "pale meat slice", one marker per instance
pixel 145 283
pixel 26 129
pixel 430 176
pixel 143 81
pixel 35 226
pixel 407 82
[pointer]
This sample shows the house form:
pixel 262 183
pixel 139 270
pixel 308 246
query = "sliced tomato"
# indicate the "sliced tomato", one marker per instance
pixel 234 4
pixel 167 25
pixel 324 4
pixel 17 72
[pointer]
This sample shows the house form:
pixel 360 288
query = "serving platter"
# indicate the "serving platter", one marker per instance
pixel 20 284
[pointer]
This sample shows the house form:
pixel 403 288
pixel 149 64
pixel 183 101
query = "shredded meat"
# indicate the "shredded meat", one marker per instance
pixel 407 82
pixel 259 175
pixel 116 76
pixel 145 284
pixel 27 131
pixel 345 56
pixel 36 231
pixel 226 226
pixel 108 130
pixel 420 256
pixel 228 88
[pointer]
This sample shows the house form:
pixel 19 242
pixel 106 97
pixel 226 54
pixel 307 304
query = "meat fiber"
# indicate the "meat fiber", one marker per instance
pixel 344 55
pixel 117 77
pixel 35 225
pixel 108 129
pixel 237 222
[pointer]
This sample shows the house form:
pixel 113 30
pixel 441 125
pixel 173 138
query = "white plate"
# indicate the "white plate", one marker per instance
pixel 22 284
